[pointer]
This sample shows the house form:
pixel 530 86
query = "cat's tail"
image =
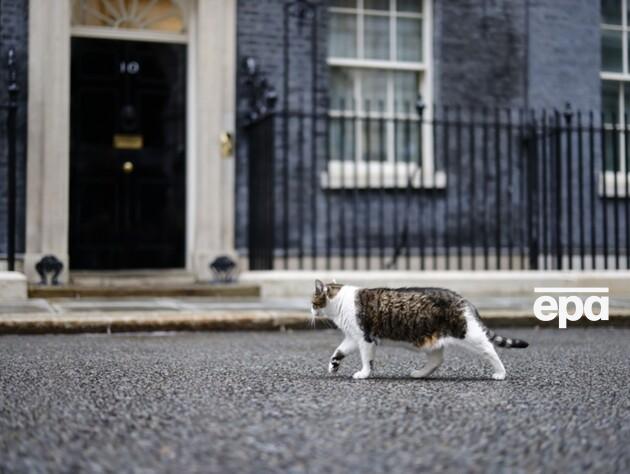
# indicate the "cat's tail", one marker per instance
pixel 506 342
pixel 501 341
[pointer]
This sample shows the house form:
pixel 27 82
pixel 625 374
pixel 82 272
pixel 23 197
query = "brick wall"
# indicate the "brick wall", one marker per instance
pixel 492 53
pixel 565 54
pixel 479 53
pixel 260 27
pixel 13 33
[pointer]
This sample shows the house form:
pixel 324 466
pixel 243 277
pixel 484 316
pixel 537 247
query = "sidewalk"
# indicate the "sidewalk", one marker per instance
pixel 65 315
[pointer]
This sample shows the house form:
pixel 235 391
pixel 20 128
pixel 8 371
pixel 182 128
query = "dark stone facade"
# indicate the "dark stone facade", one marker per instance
pixel 260 35
pixel 13 34
pixel 538 54
pixel 564 54
pixel 480 53
pixel 486 53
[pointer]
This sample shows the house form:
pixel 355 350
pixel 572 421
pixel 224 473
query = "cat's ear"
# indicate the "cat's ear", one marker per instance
pixel 319 287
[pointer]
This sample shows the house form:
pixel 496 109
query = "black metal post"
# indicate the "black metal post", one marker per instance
pixel 343 196
pixel 446 152
pixel 473 187
pixel 546 195
pixel 484 178
pixel 593 187
pixel 510 205
pixel 558 184
pixel 580 132
pixel 381 193
pixel 407 230
pixel 605 193
pixel 421 227
pixel 497 173
pixel 355 192
pixel 285 135
pixel 314 111
pixel 568 116
pixel 460 191
pixel 532 193
pixel 368 156
pixel 434 124
pixel 11 158
pixel 616 163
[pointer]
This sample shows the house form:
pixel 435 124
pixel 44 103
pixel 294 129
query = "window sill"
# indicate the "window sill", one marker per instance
pixel 377 175
pixel 623 180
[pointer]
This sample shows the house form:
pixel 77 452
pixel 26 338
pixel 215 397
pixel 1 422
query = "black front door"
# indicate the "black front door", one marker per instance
pixel 127 154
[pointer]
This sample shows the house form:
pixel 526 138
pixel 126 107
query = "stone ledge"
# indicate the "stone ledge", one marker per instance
pixel 42 323
pixel 288 283
pixel 13 286
pixel 143 290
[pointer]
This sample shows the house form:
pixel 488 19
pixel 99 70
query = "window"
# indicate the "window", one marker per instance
pixel 379 55
pixel 615 74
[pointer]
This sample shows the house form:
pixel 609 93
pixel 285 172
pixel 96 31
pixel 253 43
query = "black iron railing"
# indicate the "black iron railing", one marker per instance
pixel 441 188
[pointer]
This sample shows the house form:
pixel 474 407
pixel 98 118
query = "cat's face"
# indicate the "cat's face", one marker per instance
pixel 322 296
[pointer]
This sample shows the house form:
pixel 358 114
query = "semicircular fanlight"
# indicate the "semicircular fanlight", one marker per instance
pixel 159 15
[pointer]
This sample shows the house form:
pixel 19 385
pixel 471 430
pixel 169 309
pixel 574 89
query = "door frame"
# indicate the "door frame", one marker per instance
pixel 210 106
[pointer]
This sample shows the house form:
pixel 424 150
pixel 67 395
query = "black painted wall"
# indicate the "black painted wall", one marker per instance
pixel 13 33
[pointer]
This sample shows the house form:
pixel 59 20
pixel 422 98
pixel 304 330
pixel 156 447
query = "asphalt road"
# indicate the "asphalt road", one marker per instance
pixel 263 402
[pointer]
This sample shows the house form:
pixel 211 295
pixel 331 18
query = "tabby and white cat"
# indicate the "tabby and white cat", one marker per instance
pixel 427 319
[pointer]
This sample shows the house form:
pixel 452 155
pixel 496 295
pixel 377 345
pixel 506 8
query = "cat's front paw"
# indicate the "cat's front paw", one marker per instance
pixel 418 374
pixel 498 376
pixel 333 367
pixel 361 374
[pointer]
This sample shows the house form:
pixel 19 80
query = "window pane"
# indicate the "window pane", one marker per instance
pixel 376 40
pixel 342 88
pixel 409 6
pixel 626 101
pixel 612 150
pixel 343 36
pixel 374 136
pixel 374 88
pixel 407 141
pixel 611 12
pixel 344 3
pixel 405 91
pixel 342 138
pixel 376 4
pixel 610 100
pixel 409 39
pixel 611 51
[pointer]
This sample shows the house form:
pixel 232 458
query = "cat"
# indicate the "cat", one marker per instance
pixel 427 319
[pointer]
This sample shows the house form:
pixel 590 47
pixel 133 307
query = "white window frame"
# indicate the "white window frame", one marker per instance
pixel 360 173
pixel 622 80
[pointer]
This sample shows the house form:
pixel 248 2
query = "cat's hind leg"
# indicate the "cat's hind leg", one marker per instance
pixel 347 346
pixel 477 341
pixel 488 352
pixel 435 358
